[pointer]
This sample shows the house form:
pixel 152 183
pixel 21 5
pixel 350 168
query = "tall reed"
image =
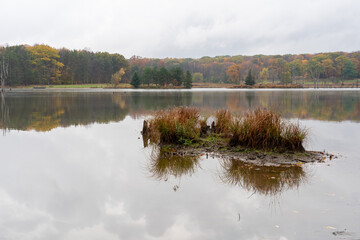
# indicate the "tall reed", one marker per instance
pixel 224 120
pixel 264 129
pixel 179 125
pixel 259 129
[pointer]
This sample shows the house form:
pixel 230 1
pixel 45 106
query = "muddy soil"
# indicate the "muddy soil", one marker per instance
pixel 253 156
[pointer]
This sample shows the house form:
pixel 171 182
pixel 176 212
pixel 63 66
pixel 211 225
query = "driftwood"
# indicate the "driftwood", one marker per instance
pixel 145 129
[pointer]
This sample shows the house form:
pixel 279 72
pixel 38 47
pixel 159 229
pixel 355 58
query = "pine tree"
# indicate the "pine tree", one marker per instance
pixel 135 80
pixel 188 80
pixel 249 79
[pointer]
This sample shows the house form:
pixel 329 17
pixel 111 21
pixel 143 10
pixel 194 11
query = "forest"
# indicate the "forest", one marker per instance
pixel 45 65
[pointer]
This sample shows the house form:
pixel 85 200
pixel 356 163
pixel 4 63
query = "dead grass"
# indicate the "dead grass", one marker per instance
pixel 260 129
pixel 264 129
pixel 224 120
pixel 179 125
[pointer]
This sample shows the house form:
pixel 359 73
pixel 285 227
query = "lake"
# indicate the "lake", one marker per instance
pixel 74 166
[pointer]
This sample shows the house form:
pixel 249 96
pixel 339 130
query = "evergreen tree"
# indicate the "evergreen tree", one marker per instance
pixel 135 80
pixel 350 70
pixel 188 80
pixel 155 73
pixel 147 75
pixel 164 76
pixel 177 75
pixel 249 79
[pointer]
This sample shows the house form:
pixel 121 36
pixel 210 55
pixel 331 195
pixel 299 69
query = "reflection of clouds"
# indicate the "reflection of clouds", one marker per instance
pixel 20 221
pixel 65 174
pixel 87 183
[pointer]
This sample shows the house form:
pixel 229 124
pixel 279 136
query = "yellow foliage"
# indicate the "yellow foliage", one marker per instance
pixel 45 61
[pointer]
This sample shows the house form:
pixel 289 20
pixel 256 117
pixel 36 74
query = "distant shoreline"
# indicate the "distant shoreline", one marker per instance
pixel 195 86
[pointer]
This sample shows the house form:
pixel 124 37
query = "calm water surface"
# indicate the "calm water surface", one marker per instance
pixel 73 166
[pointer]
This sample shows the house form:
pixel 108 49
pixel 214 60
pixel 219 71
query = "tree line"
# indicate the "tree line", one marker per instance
pixel 175 76
pixel 42 64
pixel 285 69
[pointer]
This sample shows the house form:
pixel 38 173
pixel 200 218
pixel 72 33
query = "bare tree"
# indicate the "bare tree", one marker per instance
pixel 4 67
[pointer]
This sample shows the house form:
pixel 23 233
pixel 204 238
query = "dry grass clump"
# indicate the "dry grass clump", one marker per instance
pixel 260 129
pixel 293 136
pixel 224 120
pixel 179 125
pixel 264 129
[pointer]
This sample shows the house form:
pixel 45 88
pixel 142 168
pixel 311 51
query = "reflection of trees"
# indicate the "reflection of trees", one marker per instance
pixel 321 105
pixel 266 180
pixel 44 123
pixel 47 110
pixel 250 97
pixel 4 114
pixel 165 163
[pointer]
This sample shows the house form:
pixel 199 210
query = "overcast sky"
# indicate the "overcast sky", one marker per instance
pixel 186 28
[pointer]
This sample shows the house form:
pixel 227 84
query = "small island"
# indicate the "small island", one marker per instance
pixel 260 137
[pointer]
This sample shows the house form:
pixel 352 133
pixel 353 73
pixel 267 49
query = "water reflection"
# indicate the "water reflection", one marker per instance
pixel 44 111
pixel 86 183
pixel 165 163
pixel 265 180
pixel 4 114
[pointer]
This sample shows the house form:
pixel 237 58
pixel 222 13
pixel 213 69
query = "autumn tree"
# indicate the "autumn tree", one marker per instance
pixel 329 69
pixel 340 66
pixel 264 74
pixel 296 68
pixel 233 72
pixel 198 77
pixel 279 69
pixel 314 69
pixel 46 64
pixel 283 71
pixel 116 77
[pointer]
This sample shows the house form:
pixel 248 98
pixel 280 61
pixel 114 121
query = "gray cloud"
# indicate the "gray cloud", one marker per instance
pixel 185 28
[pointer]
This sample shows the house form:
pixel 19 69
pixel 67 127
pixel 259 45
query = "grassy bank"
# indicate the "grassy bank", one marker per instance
pixel 347 84
pixel 95 85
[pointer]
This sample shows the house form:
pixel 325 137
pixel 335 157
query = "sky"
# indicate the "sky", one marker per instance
pixel 186 28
